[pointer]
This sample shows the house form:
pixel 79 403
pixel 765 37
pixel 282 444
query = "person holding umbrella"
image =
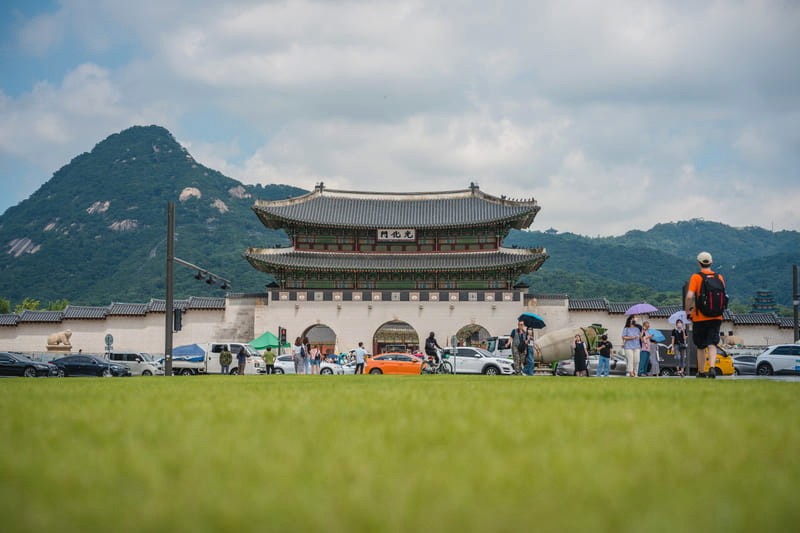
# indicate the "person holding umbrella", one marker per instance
pixel 632 344
pixel 519 347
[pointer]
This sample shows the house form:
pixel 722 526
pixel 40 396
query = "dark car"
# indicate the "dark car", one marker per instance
pixel 744 364
pixel 88 365
pixel 17 364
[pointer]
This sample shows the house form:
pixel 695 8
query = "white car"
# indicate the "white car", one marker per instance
pixel 779 359
pixel 470 360
pixel 140 363
pixel 284 364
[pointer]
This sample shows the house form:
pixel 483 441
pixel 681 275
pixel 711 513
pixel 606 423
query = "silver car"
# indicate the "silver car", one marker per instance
pixel 471 360
pixel 619 366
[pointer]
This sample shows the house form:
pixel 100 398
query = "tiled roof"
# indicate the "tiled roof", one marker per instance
pixel 85 312
pixel 269 259
pixel 588 304
pixel 619 308
pixel 785 322
pixel 755 319
pixel 664 311
pixel 41 316
pixel 160 306
pixel 205 302
pixel 122 309
pixel 9 319
pixel 331 208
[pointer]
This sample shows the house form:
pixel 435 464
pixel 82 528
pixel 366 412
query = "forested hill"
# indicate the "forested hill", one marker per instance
pixel 654 264
pixel 96 233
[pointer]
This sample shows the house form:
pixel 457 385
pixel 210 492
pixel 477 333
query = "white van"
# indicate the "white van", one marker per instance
pixel 499 346
pixel 140 363
pixel 208 363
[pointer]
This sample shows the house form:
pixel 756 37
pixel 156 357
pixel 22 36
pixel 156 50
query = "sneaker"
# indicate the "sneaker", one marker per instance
pixel 700 375
pixel 711 375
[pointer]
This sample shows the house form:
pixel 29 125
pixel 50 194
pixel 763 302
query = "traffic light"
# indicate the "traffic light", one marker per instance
pixel 281 334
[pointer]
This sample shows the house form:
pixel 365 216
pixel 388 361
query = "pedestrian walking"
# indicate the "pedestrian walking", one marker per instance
pixel 316 359
pixel 297 356
pixel 604 357
pixel 631 344
pixel 241 359
pixel 644 353
pixel 519 347
pixel 678 346
pixel 225 360
pixel 706 300
pixel 359 353
pixel 269 360
pixel 580 354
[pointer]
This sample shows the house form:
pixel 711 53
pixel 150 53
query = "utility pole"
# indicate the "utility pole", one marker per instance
pixel 795 302
pixel 170 289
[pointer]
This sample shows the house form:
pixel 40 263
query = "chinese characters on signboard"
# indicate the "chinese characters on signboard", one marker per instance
pixel 397 235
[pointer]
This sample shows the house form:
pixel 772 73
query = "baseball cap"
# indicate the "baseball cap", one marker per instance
pixel 704 258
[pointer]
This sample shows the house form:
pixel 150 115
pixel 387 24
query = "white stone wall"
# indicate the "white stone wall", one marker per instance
pixel 247 317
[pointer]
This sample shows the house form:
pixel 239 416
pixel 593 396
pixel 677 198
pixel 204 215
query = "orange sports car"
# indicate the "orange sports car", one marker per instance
pixel 393 363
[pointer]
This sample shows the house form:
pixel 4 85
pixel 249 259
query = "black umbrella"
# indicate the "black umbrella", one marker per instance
pixel 531 320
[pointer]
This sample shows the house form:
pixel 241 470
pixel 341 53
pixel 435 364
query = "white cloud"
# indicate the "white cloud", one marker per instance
pixel 609 114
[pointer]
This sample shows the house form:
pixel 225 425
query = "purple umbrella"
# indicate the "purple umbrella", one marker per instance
pixel 640 309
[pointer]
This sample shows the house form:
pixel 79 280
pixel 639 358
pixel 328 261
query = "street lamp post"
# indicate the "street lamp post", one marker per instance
pixel 169 324
pixel 170 288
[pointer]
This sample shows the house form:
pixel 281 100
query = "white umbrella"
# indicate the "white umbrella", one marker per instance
pixel 678 315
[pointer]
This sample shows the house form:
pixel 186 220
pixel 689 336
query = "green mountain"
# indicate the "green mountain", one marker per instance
pixel 96 233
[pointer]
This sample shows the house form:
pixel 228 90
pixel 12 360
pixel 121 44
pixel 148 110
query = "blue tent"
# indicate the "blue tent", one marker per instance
pixel 189 352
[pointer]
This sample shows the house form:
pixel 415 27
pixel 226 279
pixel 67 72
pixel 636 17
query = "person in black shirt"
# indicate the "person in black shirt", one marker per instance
pixel 604 361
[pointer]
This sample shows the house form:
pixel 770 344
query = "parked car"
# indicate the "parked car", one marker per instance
pixel 140 363
pixel 471 360
pixel 779 359
pixel 17 364
pixel 723 366
pixel 284 364
pixel 619 366
pixel 88 365
pixel 744 364
pixel 393 363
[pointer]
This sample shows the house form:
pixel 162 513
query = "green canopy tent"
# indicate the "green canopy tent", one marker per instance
pixel 267 339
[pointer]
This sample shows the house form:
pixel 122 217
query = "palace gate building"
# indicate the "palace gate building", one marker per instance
pixel 388 268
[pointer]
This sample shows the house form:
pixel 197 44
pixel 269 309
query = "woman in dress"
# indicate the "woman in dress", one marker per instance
pixel 631 343
pixel 580 354
pixel 678 346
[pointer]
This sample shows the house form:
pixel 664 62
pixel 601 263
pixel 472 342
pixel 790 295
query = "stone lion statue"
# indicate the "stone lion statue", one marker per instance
pixel 60 337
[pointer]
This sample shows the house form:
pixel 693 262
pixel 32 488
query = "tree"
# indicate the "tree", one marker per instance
pixel 5 306
pixel 28 304
pixel 58 305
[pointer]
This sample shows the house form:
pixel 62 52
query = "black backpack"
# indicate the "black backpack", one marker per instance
pixel 712 299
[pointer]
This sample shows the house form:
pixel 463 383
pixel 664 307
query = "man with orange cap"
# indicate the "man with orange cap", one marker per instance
pixel 705 329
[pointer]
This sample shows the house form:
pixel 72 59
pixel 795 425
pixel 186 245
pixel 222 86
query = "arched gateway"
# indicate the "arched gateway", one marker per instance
pixel 359 261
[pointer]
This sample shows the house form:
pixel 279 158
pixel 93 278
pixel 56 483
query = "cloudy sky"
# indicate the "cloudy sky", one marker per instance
pixel 613 115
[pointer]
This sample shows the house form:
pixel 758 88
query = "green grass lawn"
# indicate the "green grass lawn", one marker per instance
pixel 385 453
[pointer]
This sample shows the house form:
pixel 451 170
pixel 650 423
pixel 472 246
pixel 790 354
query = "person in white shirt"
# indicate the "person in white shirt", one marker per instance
pixel 360 353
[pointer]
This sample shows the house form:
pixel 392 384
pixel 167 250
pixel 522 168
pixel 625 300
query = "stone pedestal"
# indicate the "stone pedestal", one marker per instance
pixel 58 348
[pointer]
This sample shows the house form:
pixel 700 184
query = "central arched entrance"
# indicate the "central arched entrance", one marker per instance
pixel 395 336
pixel 322 336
